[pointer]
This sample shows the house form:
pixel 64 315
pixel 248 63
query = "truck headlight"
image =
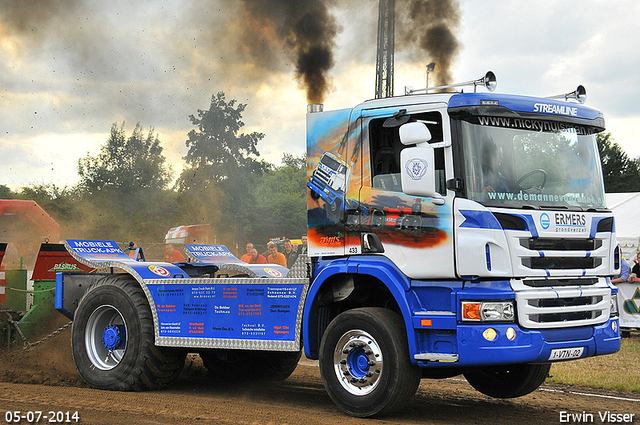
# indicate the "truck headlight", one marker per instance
pixel 613 305
pixel 488 311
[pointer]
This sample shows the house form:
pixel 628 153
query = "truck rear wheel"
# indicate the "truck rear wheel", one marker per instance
pixel 365 364
pixel 240 365
pixel 508 381
pixel 112 339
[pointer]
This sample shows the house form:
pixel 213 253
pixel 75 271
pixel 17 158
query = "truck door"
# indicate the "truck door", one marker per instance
pixel 330 141
pixel 414 232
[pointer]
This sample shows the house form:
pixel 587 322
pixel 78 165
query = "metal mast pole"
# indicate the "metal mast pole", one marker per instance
pixel 384 56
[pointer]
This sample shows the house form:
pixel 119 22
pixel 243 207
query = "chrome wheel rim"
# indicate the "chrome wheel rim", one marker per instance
pixel 358 362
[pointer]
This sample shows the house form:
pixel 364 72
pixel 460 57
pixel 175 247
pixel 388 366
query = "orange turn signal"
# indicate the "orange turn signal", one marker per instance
pixel 425 322
pixel 471 311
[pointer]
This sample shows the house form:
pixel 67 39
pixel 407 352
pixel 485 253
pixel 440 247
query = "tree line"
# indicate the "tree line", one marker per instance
pixel 621 173
pixel 129 192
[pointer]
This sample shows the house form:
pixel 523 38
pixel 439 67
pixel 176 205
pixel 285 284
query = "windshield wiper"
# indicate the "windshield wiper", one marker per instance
pixel 565 207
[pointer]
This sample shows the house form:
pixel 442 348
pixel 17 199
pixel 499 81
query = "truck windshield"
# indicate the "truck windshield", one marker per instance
pixel 518 163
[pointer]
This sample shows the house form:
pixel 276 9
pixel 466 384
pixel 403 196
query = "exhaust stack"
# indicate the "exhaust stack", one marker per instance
pixel 314 108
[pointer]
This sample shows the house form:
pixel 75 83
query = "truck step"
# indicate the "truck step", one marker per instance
pixel 436 357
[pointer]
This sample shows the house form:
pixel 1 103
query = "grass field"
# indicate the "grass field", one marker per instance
pixel 617 371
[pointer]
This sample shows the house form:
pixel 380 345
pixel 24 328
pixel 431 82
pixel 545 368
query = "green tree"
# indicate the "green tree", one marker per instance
pixel 222 164
pixel 60 202
pixel 281 202
pixel 216 149
pixel 126 164
pixel 621 174
pixel 123 189
pixel 6 192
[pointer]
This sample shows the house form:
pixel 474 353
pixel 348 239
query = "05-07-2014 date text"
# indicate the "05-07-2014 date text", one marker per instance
pixel 37 416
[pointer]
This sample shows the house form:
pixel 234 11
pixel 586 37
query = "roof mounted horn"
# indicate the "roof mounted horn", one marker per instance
pixel 488 81
pixel 579 94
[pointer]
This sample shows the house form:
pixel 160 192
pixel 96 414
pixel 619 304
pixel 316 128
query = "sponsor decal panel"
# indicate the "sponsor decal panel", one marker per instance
pixel 160 271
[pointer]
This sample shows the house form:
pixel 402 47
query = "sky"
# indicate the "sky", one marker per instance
pixel 70 69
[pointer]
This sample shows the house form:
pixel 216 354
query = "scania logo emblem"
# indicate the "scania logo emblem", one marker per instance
pixel 416 168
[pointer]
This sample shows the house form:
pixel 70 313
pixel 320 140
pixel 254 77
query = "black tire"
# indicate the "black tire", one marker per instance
pixel 508 381
pixel 365 364
pixel 112 339
pixel 241 365
pixel 334 211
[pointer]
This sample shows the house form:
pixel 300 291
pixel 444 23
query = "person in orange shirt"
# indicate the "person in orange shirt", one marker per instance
pixel 275 257
pixel 172 255
pixel 256 258
pixel 247 257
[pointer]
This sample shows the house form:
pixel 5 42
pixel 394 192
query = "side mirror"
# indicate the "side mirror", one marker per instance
pixel 417 173
pixel 413 133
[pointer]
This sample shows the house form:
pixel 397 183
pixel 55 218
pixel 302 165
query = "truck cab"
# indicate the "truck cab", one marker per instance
pixel 482 218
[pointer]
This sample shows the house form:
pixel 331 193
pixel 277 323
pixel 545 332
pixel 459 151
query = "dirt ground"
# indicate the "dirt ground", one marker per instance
pixel 45 379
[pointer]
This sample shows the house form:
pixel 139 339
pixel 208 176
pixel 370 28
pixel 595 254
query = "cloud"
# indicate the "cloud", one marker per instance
pixel 48 158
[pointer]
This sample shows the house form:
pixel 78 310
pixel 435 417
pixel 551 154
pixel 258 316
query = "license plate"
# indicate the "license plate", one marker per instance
pixel 566 353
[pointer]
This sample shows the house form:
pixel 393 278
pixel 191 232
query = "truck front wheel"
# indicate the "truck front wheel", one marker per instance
pixel 508 381
pixel 365 364
pixel 112 339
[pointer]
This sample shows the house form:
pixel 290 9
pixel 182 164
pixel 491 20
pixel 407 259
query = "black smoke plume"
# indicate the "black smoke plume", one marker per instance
pixel 232 42
pixel 304 29
pixel 431 26
pixel 30 17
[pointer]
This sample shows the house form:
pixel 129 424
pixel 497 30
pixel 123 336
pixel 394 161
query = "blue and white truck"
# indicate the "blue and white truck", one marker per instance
pixel 472 237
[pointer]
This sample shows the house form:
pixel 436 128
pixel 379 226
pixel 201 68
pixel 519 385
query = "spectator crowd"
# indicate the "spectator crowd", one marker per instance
pixel 282 252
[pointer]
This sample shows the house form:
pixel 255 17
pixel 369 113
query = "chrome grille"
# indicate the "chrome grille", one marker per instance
pixel 561 253
pixel 563 307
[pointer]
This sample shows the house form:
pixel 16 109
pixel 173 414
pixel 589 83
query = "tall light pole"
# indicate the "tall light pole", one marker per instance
pixel 429 69
pixel 386 45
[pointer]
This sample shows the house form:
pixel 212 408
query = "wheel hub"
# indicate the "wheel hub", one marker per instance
pixel 112 337
pixel 105 337
pixel 358 362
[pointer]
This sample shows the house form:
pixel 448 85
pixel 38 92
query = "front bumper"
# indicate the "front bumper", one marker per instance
pixel 528 346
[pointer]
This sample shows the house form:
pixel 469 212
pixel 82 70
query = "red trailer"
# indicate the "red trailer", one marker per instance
pixel 24 225
pixel 197 233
